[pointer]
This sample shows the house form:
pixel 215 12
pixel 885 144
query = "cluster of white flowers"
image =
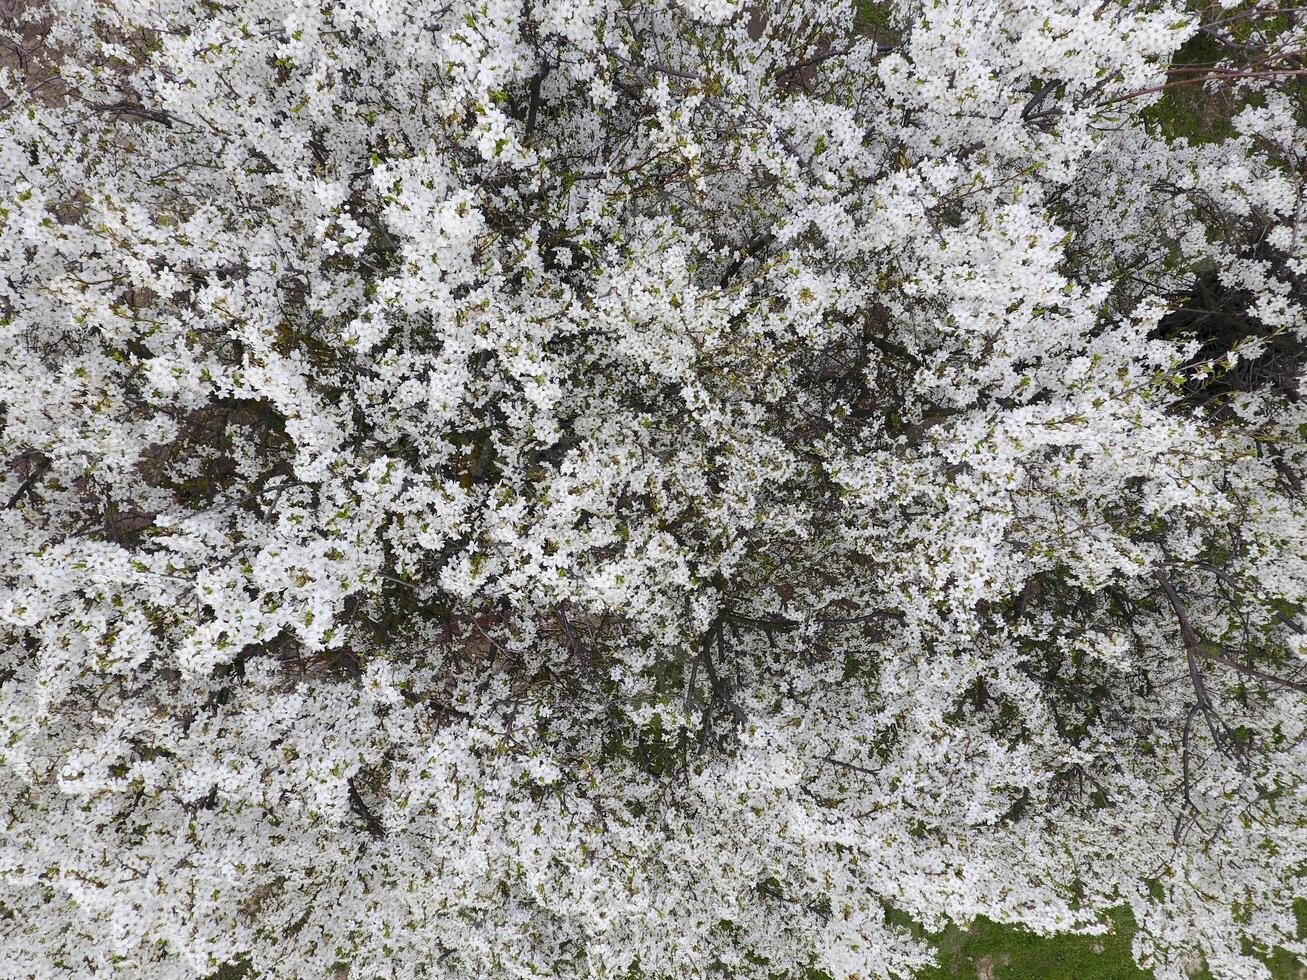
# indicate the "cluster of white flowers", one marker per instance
pixel 646 488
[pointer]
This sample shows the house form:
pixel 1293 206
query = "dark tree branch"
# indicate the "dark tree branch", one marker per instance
pixel 1193 650
pixel 38 469
pixel 370 820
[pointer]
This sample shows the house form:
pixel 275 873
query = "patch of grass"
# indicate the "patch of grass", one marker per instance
pixel 988 951
pixel 875 19
pixel 1190 111
pixel 1284 966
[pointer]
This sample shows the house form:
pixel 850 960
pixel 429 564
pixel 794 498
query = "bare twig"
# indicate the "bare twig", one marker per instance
pixel 1194 650
pixel 38 468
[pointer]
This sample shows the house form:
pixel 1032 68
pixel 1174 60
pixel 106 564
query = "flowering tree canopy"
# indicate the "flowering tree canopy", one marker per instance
pixel 643 488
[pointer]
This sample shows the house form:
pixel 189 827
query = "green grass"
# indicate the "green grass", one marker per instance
pixel 988 951
pixel 1190 111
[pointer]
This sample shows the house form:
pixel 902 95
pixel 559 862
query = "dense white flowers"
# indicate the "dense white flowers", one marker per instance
pixel 645 489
